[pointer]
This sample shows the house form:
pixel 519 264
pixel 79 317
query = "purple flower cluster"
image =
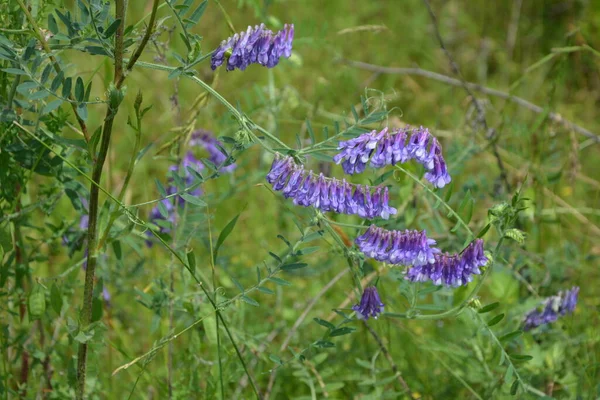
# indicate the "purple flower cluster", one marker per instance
pixel 393 147
pixel 397 247
pixel 451 269
pixel 211 144
pixel 257 45
pixel 370 304
pixel 559 305
pixel 328 194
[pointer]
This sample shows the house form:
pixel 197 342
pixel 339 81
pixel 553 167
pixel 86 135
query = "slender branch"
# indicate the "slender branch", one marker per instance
pixel 138 52
pixel 388 356
pixel 553 116
pixel 490 133
pixel 37 32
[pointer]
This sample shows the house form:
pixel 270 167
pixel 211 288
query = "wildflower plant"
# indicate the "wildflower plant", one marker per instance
pixel 59 135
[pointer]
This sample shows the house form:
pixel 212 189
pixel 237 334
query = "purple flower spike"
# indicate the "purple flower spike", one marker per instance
pixel 308 189
pixel 553 307
pixel 257 45
pixel 370 304
pixel 451 269
pixel 393 147
pixel 397 247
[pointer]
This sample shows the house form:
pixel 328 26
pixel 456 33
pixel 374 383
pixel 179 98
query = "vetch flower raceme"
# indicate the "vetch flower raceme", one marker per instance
pixel 451 269
pixel 553 307
pixel 257 45
pixel 328 194
pixel 397 247
pixel 370 304
pixel 392 147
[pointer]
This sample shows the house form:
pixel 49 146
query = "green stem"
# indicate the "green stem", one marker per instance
pixel 434 194
pixel 242 119
pixel 132 162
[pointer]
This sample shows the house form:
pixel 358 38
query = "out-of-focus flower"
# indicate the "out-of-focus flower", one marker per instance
pixel 397 247
pixel 370 304
pixel 451 269
pixel 206 140
pixel 328 194
pixel 392 147
pixel 553 307
pixel 257 45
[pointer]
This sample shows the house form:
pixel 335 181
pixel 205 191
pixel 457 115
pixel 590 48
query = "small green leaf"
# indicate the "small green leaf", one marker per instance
pixel 308 250
pixel 193 199
pixel 510 336
pixel 56 300
pixel 521 357
pixel 112 28
pixel 489 307
pixel 79 89
pixel 309 129
pixel 53 105
pixel 57 81
pixel 495 320
pixel 117 249
pixel 191 259
pixel 14 71
pixel 293 266
pixel 515 387
pixel 279 281
pixel 265 290
pixel 342 331
pixel 483 231
pixel 66 90
pixel 223 235
pixel 324 323
pixel 197 14
pixel 97 309
pixel 275 256
pixel 249 301
pixel 354 113
pixel 323 344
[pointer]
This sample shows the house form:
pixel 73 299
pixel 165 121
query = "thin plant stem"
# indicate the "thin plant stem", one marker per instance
pixel 214 284
pixel 388 356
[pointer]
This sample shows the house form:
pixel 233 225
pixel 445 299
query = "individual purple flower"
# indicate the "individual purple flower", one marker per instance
pixel 553 307
pixel 397 247
pixel 370 304
pixel 392 147
pixel 257 45
pixel 206 140
pixel 308 189
pixel 451 269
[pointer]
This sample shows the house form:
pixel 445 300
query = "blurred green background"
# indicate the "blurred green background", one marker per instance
pixel 540 51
